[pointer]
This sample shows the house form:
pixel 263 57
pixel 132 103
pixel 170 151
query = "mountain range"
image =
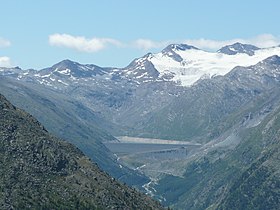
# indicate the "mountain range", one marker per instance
pixel 226 101
pixel 130 94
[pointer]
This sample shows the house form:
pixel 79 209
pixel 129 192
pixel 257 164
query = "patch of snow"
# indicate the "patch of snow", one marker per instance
pixel 73 78
pixel 65 72
pixel 232 49
pixel 138 77
pixel 64 83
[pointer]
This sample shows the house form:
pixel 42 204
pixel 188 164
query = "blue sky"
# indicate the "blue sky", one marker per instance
pixel 38 34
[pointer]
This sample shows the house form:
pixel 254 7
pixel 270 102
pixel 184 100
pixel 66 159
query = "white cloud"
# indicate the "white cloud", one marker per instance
pixel 4 42
pixel 5 62
pixel 209 44
pixel 81 43
pixel 264 40
pixel 147 44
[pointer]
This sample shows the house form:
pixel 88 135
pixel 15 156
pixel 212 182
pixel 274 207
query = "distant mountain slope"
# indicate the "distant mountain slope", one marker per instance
pixel 179 63
pixel 126 97
pixel 121 97
pixel 246 177
pixel 38 171
pixel 69 119
pixel 258 187
pixel 207 109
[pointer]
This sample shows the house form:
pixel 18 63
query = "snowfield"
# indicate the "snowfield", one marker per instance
pixel 197 63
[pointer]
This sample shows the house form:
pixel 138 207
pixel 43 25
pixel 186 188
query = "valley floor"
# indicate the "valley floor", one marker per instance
pixel 148 156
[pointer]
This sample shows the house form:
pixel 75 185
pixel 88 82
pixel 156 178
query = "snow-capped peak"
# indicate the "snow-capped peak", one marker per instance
pixel 178 63
pixel 141 69
pixel 178 47
pixel 172 51
pixel 188 66
pixel 73 69
pixel 238 48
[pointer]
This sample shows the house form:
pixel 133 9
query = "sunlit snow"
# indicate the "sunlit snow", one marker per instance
pixel 64 71
pixel 199 63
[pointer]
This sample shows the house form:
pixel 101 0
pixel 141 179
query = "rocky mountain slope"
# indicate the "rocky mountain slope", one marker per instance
pixel 40 171
pixel 210 107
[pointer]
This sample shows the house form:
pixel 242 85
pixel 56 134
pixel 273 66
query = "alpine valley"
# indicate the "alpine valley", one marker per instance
pixel 40 171
pixel 194 129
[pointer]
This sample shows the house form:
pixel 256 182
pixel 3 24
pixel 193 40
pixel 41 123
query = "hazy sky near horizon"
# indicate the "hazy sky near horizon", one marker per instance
pixel 38 34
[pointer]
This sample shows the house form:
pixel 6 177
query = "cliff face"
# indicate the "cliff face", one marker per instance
pixel 38 170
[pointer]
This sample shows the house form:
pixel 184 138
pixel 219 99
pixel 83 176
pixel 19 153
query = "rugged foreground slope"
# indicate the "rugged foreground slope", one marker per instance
pixel 38 170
